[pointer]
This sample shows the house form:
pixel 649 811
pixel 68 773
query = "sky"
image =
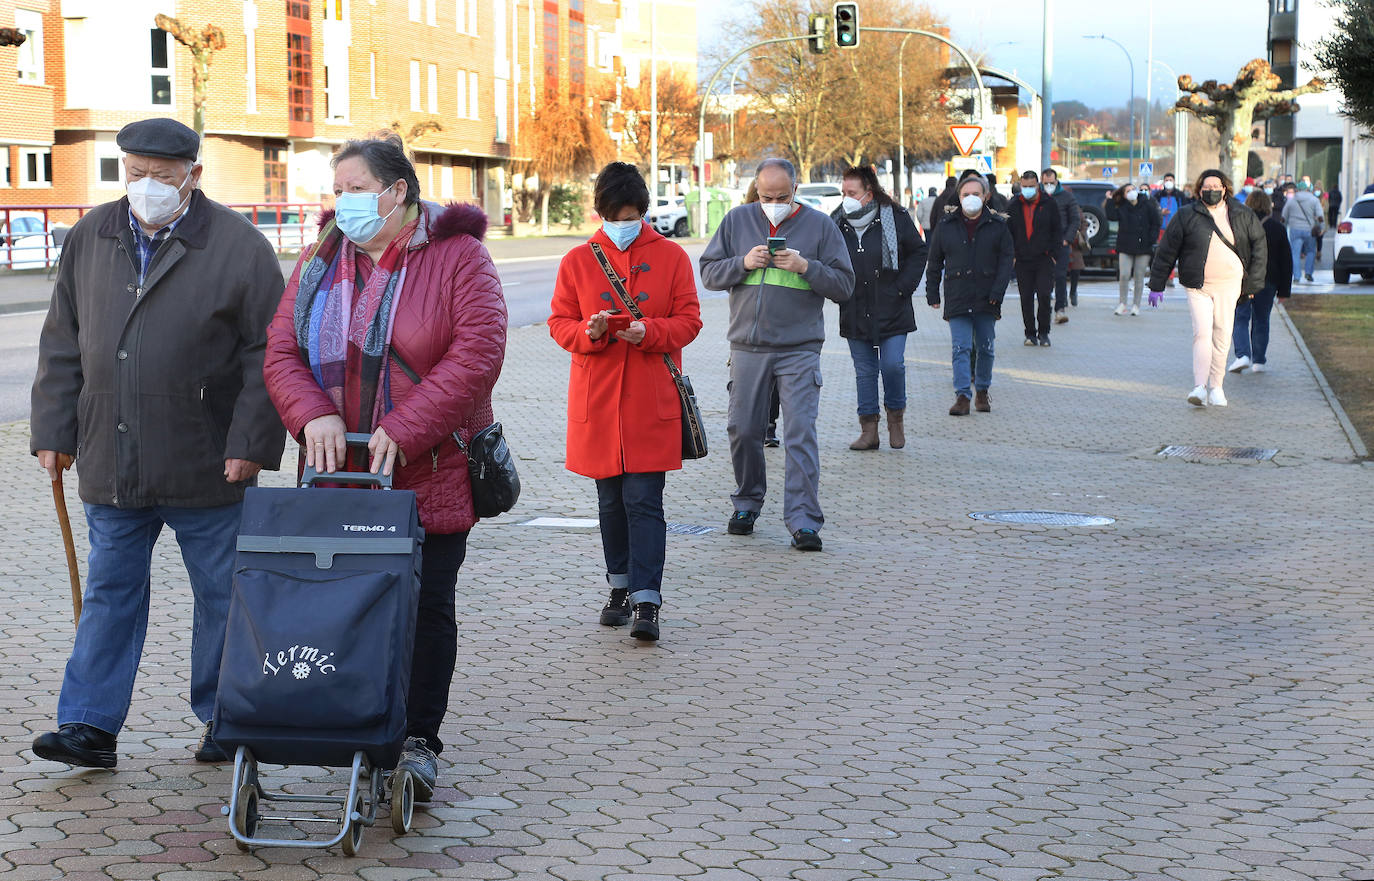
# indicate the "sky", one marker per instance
pixel 1214 46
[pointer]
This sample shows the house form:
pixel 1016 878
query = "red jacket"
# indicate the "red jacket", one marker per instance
pixel 624 414
pixel 450 327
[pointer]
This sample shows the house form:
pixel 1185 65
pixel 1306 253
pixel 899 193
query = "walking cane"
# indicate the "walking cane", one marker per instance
pixel 60 500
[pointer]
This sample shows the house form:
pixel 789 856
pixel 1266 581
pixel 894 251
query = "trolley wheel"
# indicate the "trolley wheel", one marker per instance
pixel 402 801
pixel 246 814
pixel 354 839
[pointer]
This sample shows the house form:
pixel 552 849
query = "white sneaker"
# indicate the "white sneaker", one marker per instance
pixel 1135 310
pixel 1258 368
pixel 1120 310
pixel 1239 364
pixel 1198 396
pixel 1215 398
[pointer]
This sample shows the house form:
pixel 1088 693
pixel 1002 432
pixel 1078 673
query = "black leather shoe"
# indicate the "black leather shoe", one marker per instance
pixel 208 750
pixel 616 612
pixel 77 744
pixel 808 539
pixel 646 622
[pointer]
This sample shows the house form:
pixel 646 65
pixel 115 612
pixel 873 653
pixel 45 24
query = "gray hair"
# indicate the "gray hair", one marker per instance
pixel 976 178
pixel 776 162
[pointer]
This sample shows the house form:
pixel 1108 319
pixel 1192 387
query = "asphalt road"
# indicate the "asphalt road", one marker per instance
pixel 527 268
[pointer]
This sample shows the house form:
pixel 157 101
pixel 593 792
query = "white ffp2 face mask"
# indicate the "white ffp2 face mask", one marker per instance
pixel 776 212
pixel 154 202
pixel 971 204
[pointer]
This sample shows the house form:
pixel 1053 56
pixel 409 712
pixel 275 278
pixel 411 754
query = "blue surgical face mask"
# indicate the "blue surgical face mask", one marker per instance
pixel 357 217
pixel 621 232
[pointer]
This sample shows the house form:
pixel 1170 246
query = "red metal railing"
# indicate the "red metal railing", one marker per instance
pixel 31 236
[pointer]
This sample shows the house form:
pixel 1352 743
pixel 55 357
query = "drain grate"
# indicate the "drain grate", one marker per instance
pixel 1042 518
pixel 689 529
pixel 1185 451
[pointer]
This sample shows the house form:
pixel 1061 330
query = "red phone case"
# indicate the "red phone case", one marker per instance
pixel 617 322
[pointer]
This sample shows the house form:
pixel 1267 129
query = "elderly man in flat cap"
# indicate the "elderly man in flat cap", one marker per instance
pixel 150 379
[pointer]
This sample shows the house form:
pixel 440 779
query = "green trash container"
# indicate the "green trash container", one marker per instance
pixel 718 202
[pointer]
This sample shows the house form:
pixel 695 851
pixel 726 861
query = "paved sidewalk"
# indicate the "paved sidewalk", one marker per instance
pixel 1184 694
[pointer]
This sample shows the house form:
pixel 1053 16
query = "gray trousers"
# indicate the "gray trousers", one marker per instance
pixel 1132 266
pixel 798 379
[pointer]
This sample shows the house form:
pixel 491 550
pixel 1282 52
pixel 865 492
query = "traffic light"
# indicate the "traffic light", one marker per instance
pixel 846 25
pixel 818 29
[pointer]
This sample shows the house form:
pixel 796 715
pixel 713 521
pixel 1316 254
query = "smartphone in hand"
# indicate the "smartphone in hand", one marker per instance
pixel 776 244
pixel 618 322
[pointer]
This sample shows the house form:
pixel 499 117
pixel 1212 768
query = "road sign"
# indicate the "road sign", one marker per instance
pixel 984 163
pixel 1147 169
pixel 1108 171
pixel 965 136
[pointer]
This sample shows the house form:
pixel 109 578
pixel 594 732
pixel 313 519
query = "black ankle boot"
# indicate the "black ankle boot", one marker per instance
pixel 646 622
pixel 617 610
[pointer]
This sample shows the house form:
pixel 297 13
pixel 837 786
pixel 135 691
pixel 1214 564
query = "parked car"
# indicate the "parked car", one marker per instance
pixel 1355 242
pixel 25 244
pixel 23 225
pixel 1091 196
pixel 669 216
pixel 828 194
pixel 810 201
pixel 287 228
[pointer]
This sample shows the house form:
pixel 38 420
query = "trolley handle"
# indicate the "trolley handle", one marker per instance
pixel 311 476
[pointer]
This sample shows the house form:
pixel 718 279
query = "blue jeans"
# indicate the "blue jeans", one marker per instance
pixel 966 331
pixel 99 683
pixel 1251 331
pixel 887 358
pixel 634 535
pixel 1302 242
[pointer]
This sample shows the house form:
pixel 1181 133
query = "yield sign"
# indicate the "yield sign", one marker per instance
pixel 965 136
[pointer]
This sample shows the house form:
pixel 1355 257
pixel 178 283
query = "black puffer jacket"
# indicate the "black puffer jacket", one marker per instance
pixel 976 272
pixel 1188 237
pixel 1046 231
pixel 881 305
pixel 1137 226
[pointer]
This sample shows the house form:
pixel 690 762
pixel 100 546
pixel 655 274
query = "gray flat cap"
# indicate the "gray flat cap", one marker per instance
pixel 159 137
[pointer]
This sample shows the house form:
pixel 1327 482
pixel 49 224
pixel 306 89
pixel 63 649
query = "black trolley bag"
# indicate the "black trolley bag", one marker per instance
pixel 318 646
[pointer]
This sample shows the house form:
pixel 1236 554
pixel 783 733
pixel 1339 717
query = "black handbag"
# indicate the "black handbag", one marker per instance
pixel 491 467
pixel 693 433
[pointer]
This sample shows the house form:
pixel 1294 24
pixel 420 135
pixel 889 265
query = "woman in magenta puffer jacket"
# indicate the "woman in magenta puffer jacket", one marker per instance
pixel 396 281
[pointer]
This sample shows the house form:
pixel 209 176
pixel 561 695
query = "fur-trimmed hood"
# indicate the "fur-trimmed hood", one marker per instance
pixel 440 222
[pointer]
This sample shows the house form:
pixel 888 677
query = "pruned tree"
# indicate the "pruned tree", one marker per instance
pixel 1233 108
pixel 564 143
pixel 12 37
pixel 416 131
pixel 678 103
pixel 203 45
pixel 1347 54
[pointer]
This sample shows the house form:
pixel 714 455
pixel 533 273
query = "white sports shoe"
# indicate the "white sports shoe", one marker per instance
pixel 1135 310
pixel 1239 364
pixel 1198 396
pixel 1120 310
pixel 1258 368
pixel 1215 398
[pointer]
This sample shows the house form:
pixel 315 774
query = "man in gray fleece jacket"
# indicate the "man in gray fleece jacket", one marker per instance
pixel 776 330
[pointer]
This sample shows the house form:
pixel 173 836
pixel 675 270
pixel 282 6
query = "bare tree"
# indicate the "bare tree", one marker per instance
pixel 563 143
pixel 678 103
pixel 12 37
pixel 203 45
pixel 1233 108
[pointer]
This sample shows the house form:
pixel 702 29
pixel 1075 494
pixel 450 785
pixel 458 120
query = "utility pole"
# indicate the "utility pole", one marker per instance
pixel 1046 88
pixel 653 103
pixel 900 184
pixel 1149 71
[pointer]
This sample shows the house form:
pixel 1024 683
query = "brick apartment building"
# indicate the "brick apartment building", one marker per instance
pixel 299 77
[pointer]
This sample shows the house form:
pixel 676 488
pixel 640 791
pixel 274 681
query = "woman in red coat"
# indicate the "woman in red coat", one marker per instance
pixel 624 414
pixel 391 281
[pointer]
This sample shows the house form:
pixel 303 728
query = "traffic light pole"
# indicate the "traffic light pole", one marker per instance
pixel 711 87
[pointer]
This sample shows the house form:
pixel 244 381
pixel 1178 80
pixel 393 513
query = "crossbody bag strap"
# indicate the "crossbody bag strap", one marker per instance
pixel 415 379
pixel 627 300
pixel 1225 241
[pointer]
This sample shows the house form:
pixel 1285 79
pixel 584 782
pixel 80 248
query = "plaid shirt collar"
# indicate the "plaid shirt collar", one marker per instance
pixel 148 245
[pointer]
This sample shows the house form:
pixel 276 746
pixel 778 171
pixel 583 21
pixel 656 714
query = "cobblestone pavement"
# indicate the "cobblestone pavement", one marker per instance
pixel 1184 694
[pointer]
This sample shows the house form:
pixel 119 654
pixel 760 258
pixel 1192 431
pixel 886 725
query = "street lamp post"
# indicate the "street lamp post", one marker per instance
pixel 901 122
pixel 1149 68
pixel 1180 129
pixel 1131 107
pixel 1047 87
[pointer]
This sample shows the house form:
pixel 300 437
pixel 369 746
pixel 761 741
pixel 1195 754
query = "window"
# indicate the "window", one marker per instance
pixel 500 109
pixel 550 49
pixel 462 94
pixel 159 61
pixel 415 86
pixel 300 99
pixel 35 167
pixel 431 12
pixel 414 10
pixel 433 90
pixel 334 9
pixel 273 171
pixel 577 49
pixel 498 37
pixel 30 24
pixel 472 17
pixel 5 163
pixel 472 95
pixel 446 179
pixel 1362 209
